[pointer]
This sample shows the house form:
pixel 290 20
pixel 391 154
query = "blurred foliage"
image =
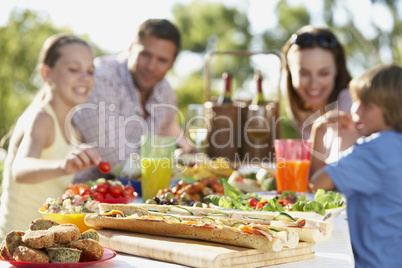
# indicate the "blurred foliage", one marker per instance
pixel 189 91
pixel 206 27
pixel 363 48
pixel 1 175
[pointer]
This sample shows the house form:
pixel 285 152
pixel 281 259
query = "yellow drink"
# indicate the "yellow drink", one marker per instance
pixel 155 174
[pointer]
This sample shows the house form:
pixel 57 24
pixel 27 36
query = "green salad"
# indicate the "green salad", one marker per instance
pixel 285 201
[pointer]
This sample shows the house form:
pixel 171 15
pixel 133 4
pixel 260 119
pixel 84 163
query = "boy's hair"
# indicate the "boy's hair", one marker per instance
pixel 382 85
pixel 160 28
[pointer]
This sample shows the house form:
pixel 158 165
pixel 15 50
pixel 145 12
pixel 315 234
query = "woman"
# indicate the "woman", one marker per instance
pixel 316 82
pixel 43 153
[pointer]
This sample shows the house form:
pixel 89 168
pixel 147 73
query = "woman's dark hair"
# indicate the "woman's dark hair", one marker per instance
pixel 308 37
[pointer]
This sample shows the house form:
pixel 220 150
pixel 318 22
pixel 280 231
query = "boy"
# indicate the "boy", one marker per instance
pixel 370 173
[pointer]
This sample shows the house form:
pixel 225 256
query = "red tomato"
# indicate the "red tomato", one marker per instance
pixel 127 193
pixel 259 206
pixel 85 191
pixel 104 167
pixel 103 188
pixel 98 195
pixel 108 196
pixel 239 179
pixel 253 201
pixel 115 190
pixel 129 188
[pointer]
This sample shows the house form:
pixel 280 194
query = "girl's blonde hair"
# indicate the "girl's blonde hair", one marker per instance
pixel 381 85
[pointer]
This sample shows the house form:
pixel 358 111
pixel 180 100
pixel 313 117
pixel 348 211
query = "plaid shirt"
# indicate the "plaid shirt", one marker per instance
pixel 113 119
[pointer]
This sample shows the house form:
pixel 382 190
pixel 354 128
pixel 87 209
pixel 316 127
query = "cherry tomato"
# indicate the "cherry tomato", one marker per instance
pixel 85 191
pixel 115 190
pixel 104 167
pixel 253 202
pixel 108 196
pixel 102 188
pixel 129 188
pixel 127 192
pixel 98 195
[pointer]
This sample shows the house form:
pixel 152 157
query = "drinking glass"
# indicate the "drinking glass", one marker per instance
pixel 292 164
pixel 196 124
pixel 258 130
pixel 157 159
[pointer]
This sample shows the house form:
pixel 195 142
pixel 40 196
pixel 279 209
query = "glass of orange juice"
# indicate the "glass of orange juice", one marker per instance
pixel 157 157
pixel 292 157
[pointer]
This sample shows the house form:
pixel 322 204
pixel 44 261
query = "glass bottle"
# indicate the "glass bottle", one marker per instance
pixel 225 97
pixel 259 96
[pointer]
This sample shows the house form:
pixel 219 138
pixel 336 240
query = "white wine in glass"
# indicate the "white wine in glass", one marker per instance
pixel 258 135
pixel 196 124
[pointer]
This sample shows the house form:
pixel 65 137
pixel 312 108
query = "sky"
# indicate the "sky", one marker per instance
pixel 111 24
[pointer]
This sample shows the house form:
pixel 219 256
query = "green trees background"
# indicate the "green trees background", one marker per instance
pixel 205 26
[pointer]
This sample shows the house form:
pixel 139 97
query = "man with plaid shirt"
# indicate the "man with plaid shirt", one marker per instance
pixel 131 97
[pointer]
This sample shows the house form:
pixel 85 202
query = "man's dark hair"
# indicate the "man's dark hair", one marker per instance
pixel 160 28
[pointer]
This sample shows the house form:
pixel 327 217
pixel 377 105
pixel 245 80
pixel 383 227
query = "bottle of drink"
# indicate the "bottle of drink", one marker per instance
pixel 225 97
pixel 259 96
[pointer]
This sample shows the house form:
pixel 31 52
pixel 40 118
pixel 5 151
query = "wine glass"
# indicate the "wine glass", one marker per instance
pixel 258 130
pixel 196 124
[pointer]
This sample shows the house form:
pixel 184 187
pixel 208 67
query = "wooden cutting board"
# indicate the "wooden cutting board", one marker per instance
pixel 199 253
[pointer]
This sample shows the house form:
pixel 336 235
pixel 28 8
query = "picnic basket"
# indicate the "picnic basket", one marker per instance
pixel 227 136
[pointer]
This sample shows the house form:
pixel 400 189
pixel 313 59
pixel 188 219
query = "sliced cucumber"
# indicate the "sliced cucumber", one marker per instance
pixel 218 214
pixel 207 219
pixel 283 216
pixel 275 230
pixel 171 217
pixel 181 210
pixel 255 218
pixel 153 210
pixel 238 224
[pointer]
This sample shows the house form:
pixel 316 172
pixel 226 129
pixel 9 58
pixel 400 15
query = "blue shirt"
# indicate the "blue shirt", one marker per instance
pixel 370 176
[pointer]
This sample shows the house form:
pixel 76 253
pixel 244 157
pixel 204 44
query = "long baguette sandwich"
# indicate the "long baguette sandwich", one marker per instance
pixel 308 230
pixel 196 223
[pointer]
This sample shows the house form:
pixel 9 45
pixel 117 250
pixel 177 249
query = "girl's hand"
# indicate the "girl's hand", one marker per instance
pixel 80 158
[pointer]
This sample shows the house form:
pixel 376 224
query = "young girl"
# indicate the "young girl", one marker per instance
pixel 369 174
pixel 44 153
pixel 316 81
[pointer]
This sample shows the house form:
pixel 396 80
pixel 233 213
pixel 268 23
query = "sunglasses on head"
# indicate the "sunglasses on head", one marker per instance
pixel 324 40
